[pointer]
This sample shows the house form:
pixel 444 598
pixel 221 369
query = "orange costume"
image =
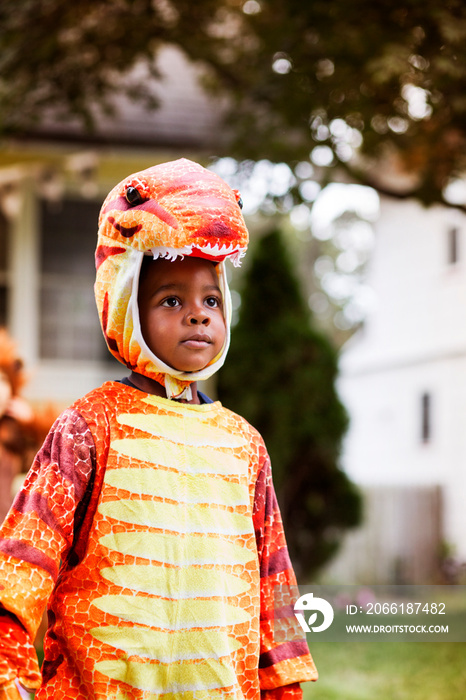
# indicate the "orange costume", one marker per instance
pixel 149 525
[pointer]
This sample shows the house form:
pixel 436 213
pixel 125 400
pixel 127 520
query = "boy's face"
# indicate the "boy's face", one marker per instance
pixel 181 312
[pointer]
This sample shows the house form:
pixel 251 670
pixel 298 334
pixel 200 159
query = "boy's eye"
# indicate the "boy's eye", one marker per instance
pixel 213 302
pixel 171 302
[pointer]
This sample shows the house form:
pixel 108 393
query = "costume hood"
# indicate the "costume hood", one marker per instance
pixel 170 210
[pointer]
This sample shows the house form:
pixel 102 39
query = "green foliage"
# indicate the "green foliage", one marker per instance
pixel 280 375
pixel 296 74
pixel 388 670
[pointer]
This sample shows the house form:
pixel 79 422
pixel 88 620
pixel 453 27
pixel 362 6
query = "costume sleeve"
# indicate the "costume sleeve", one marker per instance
pixel 285 692
pixel 38 533
pixel 17 659
pixel 284 660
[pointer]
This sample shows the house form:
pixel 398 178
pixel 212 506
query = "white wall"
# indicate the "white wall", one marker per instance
pixel 421 308
pixel 414 343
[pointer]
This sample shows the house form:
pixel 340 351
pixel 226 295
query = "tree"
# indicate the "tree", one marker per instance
pixel 281 376
pixel 384 77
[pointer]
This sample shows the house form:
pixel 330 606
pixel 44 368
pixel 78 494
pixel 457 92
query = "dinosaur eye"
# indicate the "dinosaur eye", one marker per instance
pixel 133 196
pixel 238 198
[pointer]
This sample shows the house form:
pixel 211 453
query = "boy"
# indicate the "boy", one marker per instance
pixel 149 519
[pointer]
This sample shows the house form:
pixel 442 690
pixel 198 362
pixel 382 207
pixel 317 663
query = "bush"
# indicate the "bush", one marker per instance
pixel 280 375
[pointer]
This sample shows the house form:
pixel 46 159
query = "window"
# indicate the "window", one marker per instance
pixel 426 417
pixel 69 325
pixel 453 236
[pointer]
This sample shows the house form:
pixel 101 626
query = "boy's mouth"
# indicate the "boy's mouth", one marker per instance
pixel 197 341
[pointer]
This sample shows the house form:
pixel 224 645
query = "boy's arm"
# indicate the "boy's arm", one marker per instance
pixel 285 660
pixel 285 692
pixel 18 658
pixel 37 536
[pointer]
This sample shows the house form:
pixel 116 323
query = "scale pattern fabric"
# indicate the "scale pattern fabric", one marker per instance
pixel 154 529
pixel 17 659
pixel 183 209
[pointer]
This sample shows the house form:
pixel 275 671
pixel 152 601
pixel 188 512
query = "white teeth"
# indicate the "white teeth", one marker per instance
pixel 170 253
pixel 233 253
pixel 236 258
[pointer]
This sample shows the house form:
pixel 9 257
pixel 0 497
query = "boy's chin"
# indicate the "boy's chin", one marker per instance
pixel 192 368
pixel 191 362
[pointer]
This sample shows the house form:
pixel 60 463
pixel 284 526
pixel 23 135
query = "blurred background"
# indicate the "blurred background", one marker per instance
pixel 344 127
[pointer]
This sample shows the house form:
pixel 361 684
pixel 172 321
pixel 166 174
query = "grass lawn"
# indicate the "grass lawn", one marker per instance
pixel 388 671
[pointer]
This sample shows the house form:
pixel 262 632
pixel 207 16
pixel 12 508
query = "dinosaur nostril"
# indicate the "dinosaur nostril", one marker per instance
pixel 133 196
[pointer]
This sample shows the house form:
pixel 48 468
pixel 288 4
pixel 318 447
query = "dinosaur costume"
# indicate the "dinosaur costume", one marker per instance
pixel 151 525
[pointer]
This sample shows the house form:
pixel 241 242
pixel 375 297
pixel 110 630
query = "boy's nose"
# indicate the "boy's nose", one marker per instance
pixel 198 316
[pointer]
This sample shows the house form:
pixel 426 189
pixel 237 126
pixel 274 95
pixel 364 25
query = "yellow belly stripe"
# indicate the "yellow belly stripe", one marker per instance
pixel 177 518
pixel 185 488
pixel 169 678
pixel 167 646
pixel 175 583
pixel 213 694
pixel 176 550
pixel 194 431
pixel 193 460
pixel 171 614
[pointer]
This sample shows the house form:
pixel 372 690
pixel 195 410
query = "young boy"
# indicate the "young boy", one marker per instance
pixel 149 521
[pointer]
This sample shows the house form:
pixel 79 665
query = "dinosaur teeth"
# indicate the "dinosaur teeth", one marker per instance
pixel 214 251
pixel 236 257
pixel 170 253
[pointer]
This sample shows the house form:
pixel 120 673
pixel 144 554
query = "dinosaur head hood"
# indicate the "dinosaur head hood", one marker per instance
pixel 170 210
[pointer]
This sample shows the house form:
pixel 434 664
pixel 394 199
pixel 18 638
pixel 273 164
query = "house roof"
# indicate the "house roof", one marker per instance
pixel 187 117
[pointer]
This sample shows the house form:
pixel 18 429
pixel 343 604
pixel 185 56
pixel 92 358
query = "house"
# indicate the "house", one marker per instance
pixel 52 183
pixel 403 381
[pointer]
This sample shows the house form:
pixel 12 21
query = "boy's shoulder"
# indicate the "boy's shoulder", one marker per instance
pixel 243 426
pixel 100 403
pixel 102 396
